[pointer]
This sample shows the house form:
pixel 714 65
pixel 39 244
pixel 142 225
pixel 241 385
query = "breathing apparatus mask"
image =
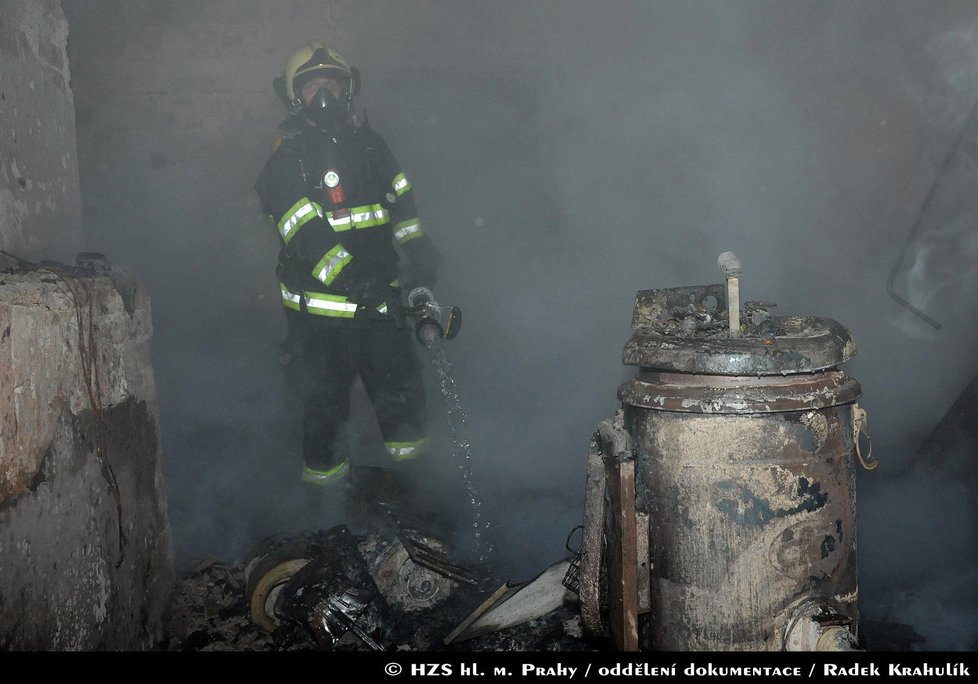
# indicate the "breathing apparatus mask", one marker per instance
pixel 326 110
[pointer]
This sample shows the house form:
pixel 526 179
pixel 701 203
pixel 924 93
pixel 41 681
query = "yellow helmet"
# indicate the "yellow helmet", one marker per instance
pixel 315 58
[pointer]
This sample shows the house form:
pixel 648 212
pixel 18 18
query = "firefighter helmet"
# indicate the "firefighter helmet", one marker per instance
pixel 315 59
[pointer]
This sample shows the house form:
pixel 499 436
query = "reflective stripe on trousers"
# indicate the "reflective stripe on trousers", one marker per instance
pixel 325 477
pixel 405 451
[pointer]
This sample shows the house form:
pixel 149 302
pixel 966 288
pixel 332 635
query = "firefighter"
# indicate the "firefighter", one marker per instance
pixel 345 215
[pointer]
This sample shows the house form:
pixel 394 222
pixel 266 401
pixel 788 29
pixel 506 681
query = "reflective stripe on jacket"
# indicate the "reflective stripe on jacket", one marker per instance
pixel 341 206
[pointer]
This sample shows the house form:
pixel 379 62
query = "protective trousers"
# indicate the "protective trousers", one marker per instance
pixel 322 374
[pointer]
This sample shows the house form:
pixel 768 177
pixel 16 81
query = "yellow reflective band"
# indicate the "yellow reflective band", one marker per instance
pixel 367 216
pixel 339 224
pixel 331 264
pixel 405 451
pixel 301 213
pixel 290 299
pixel 319 303
pixel 400 184
pixel 325 477
pixel 364 217
pixel 408 230
pixel 329 305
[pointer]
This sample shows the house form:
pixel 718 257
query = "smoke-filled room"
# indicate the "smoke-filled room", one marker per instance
pixel 504 339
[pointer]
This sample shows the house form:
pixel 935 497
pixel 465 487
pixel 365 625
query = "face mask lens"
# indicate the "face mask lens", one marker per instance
pixel 324 108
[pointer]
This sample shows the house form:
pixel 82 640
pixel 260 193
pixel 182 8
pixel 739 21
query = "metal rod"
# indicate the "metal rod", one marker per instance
pixel 733 305
pixel 729 265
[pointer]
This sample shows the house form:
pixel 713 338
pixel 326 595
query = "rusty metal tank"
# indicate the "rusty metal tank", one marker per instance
pixel 744 464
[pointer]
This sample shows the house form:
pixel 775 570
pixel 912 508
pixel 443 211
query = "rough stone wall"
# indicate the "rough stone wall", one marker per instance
pixel 40 203
pixel 84 536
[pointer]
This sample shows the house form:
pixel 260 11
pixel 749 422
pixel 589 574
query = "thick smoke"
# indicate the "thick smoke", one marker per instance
pixel 565 155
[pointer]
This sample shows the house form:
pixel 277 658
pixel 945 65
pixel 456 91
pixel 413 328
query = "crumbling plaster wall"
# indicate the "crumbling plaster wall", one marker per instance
pixel 84 537
pixel 85 553
pixel 40 203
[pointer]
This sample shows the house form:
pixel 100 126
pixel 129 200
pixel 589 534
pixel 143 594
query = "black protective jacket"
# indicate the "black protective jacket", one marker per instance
pixel 345 213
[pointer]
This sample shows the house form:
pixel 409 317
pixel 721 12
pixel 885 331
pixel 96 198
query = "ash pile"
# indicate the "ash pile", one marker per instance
pixel 390 589
pixel 701 314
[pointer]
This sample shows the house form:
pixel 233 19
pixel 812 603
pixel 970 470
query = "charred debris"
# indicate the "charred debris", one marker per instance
pixel 391 586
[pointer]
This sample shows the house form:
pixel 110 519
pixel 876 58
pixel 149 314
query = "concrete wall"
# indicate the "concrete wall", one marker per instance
pixel 40 204
pixel 84 538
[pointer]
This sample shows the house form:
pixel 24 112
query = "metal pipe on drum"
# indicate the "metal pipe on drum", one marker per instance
pixel 729 265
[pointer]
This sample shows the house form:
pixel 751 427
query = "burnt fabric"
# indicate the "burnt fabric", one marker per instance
pixel 345 215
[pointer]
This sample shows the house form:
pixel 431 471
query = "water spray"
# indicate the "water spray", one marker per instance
pixel 434 323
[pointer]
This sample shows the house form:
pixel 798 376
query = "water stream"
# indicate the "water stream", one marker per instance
pixel 461 447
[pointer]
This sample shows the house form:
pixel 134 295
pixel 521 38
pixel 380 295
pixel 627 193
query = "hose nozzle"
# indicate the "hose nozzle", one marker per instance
pixel 433 321
pixel 421 296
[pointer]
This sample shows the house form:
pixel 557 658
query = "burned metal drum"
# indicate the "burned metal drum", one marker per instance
pixel 745 465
